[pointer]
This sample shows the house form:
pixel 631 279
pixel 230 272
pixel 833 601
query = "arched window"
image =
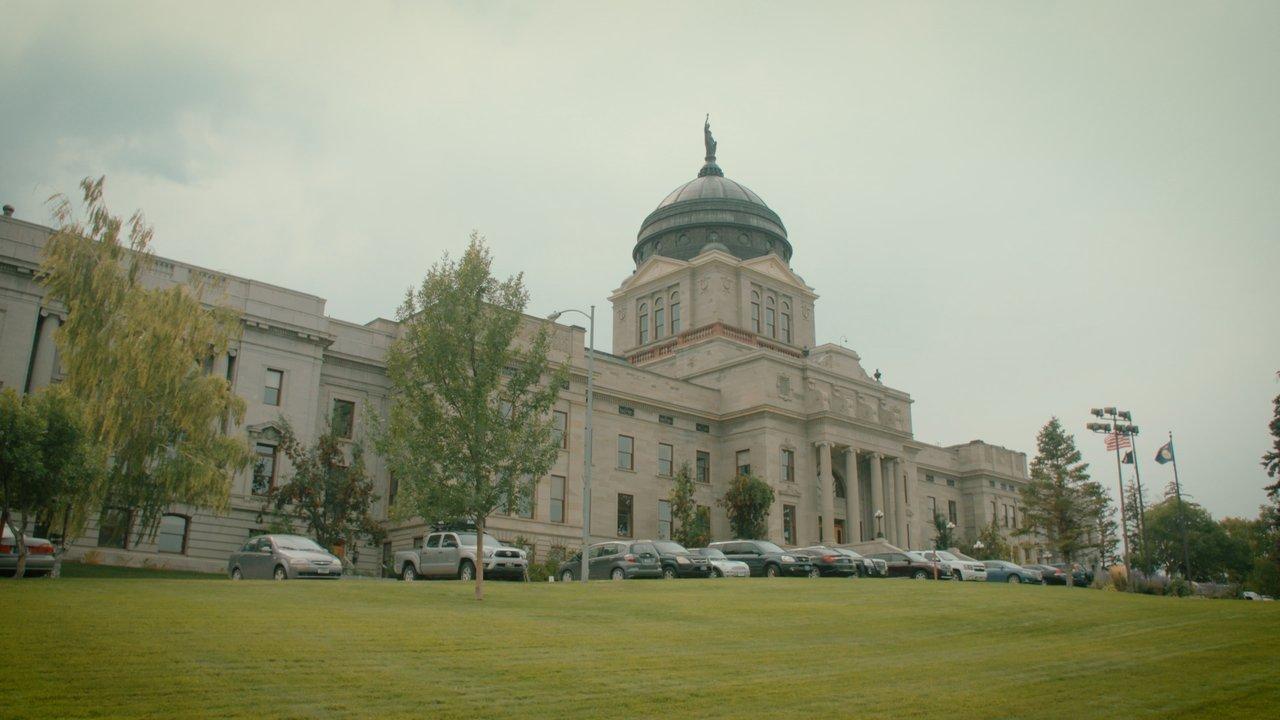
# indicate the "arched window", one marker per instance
pixel 644 323
pixel 659 320
pixel 786 322
pixel 675 312
pixel 755 311
pixel 769 315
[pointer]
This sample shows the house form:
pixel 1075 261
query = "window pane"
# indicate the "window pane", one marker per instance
pixel 274 384
pixel 789 524
pixel 113 528
pixel 557 499
pixel 704 466
pixel 560 423
pixel 624 515
pixel 744 462
pixel 528 491
pixel 664 459
pixel 664 520
pixel 172 535
pixel 264 469
pixel 344 414
pixel 626 447
pixel 659 324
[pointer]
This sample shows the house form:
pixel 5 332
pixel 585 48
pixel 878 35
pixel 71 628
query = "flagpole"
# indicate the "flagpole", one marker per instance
pixel 1142 503
pixel 1182 517
pixel 1124 523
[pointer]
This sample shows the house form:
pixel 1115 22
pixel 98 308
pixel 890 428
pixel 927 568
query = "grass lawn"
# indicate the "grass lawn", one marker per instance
pixel 103 647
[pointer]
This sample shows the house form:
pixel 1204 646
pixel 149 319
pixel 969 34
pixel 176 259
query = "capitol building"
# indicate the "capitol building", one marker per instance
pixel 715 363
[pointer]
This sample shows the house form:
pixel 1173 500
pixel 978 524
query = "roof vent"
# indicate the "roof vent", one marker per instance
pixel 8 211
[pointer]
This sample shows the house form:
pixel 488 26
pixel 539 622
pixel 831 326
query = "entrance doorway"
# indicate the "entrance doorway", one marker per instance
pixel 840 533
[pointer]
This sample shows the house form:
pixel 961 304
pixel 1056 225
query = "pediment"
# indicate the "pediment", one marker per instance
pixel 772 266
pixel 652 269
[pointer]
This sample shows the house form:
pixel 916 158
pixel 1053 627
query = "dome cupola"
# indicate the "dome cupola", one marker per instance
pixel 711 212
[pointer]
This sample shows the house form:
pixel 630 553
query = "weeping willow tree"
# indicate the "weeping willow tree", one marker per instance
pixel 135 356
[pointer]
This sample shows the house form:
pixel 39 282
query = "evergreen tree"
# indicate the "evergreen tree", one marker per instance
pixel 134 358
pixel 1271 511
pixel 470 424
pixel 1061 503
pixel 944 537
pixel 994 545
pixel 689 529
pixel 747 503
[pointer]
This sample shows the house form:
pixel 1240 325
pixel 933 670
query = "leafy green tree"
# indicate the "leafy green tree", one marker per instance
pixel 21 433
pixel 943 536
pixel 1216 555
pixel 689 529
pixel 470 422
pixel 134 357
pixel 330 494
pixel 1271 511
pixel 993 542
pixel 1062 505
pixel 747 502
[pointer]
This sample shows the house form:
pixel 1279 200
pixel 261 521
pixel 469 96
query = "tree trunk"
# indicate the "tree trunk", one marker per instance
pixel 480 559
pixel 21 570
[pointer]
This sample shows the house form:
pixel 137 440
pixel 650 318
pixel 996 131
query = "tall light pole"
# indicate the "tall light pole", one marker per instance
pixel 587 442
pixel 1126 430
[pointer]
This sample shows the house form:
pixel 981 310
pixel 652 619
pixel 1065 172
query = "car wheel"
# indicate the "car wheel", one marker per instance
pixel 566 576
pixel 771 571
pixel 668 573
pixel 717 572
pixel 920 575
pixel 236 574
pixel 815 572
pixel 466 571
pixel 1015 580
pixel 955 575
pixel 618 574
pixel 409 573
pixel 280 573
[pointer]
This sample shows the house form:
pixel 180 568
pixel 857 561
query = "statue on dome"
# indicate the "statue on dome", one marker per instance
pixel 707 140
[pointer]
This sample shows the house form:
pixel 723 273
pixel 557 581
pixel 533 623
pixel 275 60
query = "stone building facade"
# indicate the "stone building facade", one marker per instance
pixel 715 363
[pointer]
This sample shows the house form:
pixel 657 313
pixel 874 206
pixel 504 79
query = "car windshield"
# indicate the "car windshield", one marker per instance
pixel 712 553
pixel 469 540
pixel 670 548
pixel 767 546
pixel 294 542
pixel 946 555
pixel 851 553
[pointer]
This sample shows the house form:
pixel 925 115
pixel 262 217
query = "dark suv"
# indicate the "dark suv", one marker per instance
pixel 679 562
pixel 614 560
pixel 831 563
pixel 766 559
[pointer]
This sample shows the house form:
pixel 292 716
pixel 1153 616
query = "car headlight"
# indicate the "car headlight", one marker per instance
pixel 488 552
pixel 788 558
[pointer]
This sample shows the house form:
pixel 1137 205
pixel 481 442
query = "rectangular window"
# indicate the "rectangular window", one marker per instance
pixel 626 410
pixel 666 420
pixel 788 465
pixel 659 321
pixel 113 528
pixel 702 427
pixel 264 469
pixel 928 478
pixel 644 323
pixel 625 503
pixel 703 471
pixel 557 499
pixel 528 497
pixel 744 462
pixel 172 535
pixel 951 510
pixel 665 459
pixel 951 482
pixel 626 452
pixel 664 517
pixel 344 418
pixel 993 511
pixel 755 315
pixel 933 507
pixel 786 326
pixel 273 393
pixel 560 428
pixel 675 318
pixel 789 524
pixel 1006 516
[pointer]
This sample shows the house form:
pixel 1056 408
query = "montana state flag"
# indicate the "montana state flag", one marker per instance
pixel 1165 453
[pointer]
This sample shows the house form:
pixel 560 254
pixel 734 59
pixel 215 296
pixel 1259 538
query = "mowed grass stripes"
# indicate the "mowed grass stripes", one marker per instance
pixel 97 647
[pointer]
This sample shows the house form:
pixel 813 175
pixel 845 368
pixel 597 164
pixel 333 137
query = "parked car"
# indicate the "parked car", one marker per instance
pixel 722 566
pixel 1079 575
pixel 40 556
pixel 614 560
pixel 1251 595
pixel 957 569
pixel 452 554
pixel 909 564
pixel 766 559
pixel 830 562
pixel 867 567
pixel 283 557
pixel 1004 571
pixel 1049 575
pixel 679 562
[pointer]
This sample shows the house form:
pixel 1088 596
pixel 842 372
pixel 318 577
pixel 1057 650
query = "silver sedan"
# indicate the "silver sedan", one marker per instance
pixel 283 557
pixel 722 566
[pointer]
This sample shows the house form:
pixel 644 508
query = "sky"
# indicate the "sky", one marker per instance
pixel 1015 210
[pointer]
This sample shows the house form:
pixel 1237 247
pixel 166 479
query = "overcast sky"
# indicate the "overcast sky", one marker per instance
pixel 1015 210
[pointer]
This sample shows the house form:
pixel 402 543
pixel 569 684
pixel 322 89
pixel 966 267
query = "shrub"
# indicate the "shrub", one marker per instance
pixel 556 554
pixel 1119 578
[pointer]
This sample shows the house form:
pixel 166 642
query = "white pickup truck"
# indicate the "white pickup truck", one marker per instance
pixel 452 554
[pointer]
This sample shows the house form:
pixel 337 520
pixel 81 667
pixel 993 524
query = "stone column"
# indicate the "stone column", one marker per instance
pixel 900 503
pixel 877 496
pixel 42 367
pixel 852 504
pixel 827 484
pixel 220 365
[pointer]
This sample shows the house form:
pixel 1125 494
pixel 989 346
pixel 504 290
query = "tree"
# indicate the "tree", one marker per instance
pixel 469 429
pixel 689 529
pixel 1061 503
pixel 993 544
pixel 747 502
pixel 134 358
pixel 1216 555
pixel 331 495
pixel 944 537
pixel 1271 511
pixel 21 433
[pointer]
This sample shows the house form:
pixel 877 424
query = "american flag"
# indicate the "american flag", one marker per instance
pixel 1116 440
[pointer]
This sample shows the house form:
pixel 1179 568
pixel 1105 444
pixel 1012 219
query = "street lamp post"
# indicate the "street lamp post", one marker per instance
pixel 587 436
pixel 879 530
pixel 1126 429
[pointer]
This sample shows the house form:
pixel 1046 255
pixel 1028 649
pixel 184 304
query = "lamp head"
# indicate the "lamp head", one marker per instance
pixel 1096 412
pixel 555 315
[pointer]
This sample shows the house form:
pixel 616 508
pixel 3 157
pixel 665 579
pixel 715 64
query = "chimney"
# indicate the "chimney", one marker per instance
pixel 8 210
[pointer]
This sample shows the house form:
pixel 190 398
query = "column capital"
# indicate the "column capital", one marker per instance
pixel 820 443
